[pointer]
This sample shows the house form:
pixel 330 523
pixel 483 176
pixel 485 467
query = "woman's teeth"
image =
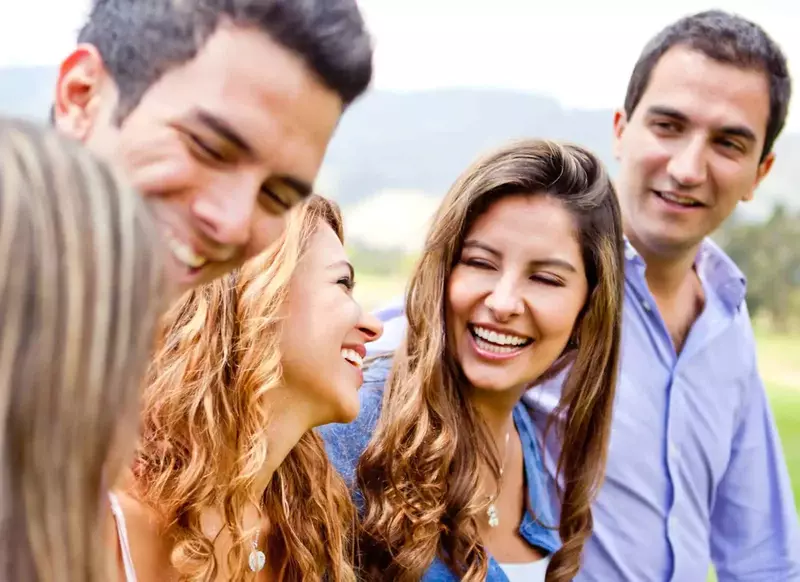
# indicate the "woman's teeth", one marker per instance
pixel 498 339
pixel 487 347
pixel 185 254
pixel 353 357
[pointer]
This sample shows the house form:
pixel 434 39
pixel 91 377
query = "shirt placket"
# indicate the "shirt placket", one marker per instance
pixel 669 357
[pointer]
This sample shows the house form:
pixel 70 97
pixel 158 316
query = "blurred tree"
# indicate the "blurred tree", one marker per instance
pixel 769 254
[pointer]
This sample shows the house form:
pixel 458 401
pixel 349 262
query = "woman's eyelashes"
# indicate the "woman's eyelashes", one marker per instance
pixel 537 277
pixel 548 280
pixel 347 282
pixel 478 263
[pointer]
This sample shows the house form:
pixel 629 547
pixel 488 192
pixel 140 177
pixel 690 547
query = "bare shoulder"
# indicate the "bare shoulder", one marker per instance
pixel 150 546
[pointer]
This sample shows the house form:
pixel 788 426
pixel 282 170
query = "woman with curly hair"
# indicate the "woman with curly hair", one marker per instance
pixel 230 482
pixel 520 277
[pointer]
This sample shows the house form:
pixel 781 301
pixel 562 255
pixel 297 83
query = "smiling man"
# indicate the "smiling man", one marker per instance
pixel 219 112
pixel 695 469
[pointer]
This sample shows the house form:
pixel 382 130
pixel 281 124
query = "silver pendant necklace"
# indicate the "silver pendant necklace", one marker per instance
pixel 491 511
pixel 257 559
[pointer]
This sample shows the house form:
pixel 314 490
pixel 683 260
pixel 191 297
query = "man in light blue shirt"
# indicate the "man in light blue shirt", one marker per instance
pixel 695 470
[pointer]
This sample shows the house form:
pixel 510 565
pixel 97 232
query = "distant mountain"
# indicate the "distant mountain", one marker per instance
pixel 420 141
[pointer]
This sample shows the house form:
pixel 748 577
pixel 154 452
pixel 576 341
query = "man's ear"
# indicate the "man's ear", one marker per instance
pixel 82 80
pixel 620 123
pixel 763 170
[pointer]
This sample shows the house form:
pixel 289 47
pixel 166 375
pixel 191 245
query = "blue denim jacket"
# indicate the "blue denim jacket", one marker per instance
pixel 346 442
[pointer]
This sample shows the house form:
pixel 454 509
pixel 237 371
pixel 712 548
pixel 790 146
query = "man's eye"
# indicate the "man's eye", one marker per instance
pixel 205 149
pixel 275 197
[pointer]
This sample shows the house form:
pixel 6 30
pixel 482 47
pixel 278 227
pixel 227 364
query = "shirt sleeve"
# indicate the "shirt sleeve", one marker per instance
pixel 754 523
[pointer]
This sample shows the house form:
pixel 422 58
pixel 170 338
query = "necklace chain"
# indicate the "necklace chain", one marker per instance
pixel 491 511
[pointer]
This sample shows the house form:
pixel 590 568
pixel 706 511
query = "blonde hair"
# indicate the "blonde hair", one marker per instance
pixel 420 472
pixel 79 289
pixel 204 438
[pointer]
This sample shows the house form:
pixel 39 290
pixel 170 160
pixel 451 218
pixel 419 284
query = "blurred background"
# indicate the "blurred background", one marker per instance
pixel 456 77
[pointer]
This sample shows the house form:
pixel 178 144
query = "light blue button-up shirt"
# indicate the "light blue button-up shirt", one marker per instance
pixel 695 468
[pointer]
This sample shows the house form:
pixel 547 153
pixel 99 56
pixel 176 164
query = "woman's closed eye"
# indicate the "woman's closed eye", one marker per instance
pixel 478 263
pixel 546 279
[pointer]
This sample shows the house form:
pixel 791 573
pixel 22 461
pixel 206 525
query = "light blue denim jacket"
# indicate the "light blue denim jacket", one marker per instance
pixel 346 442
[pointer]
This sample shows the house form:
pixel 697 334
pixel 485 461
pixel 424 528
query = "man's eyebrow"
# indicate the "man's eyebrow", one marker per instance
pixel 739 131
pixel 224 130
pixel 733 130
pixel 668 112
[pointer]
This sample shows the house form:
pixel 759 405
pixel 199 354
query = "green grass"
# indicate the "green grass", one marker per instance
pixel 786 407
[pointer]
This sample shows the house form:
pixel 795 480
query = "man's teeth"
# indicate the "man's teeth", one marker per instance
pixel 499 339
pixel 185 254
pixel 353 357
pixel 678 199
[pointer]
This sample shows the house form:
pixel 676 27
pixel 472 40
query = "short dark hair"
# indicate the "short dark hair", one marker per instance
pixel 726 38
pixel 141 40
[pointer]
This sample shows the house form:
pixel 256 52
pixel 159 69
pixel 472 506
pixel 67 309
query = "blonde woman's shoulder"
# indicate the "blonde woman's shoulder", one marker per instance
pixel 148 547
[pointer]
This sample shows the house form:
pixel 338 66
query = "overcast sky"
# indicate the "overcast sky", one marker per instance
pixel 579 51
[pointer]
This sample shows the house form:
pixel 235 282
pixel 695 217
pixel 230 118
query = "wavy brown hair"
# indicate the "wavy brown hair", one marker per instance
pixel 420 473
pixel 205 427
pixel 80 295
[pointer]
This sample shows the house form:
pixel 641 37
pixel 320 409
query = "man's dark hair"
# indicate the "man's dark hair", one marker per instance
pixel 140 40
pixel 726 38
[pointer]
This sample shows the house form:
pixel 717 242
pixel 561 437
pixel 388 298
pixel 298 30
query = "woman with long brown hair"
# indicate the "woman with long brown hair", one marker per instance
pixel 520 276
pixel 230 482
pixel 80 294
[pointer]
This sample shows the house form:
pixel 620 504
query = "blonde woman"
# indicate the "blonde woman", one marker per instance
pixel 231 482
pixel 79 297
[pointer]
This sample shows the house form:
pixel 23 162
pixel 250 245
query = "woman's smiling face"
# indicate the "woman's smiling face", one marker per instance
pixel 516 291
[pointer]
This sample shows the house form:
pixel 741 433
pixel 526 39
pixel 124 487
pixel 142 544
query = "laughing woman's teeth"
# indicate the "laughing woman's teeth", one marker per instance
pixel 498 338
pixel 489 347
pixel 185 254
pixel 498 343
pixel 353 357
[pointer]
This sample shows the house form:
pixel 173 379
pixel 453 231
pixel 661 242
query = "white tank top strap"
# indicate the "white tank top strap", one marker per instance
pixel 122 533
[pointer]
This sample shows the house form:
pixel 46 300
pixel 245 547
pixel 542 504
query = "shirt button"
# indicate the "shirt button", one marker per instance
pixel 646 305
